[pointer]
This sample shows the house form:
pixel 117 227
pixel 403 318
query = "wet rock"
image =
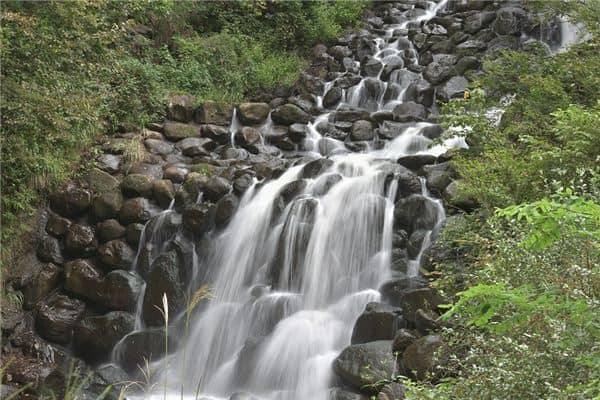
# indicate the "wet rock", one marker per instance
pixel 392 291
pixel 225 208
pixel 109 163
pixel 432 131
pixel 377 322
pixel 409 111
pixel 212 113
pixel 392 391
pixel 80 240
pixel 342 394
pixel 324 183
pixel 309 84
pixel 120 290
pixel 110 229
pixel 48 250
pixel 408 181
pixel 392 63
pixel 167 278
pixel 315 168
pixel 133 232
pixel 477 21
pixel 197 219
pixel 56 225
pixel 426 321
pixel 83 279
pixel 509 21
pixel 176 131
pixel 193 147
pixel 362 365
pixel 470 48
pixel 100 181
pixel 419 358
pixel 362 130
pixel 332 97
pixel 416 161
pixel 427 299
pixel 347 81
pixel 420 92
pixel 371 67
pixel 402 339
pixel 175 173
pixel 289 114
pixel 415 212
pixel 249 138
pixel 152 171
pixel 351 115
pixel 242 183
pixel 437 72
pixel 215 188
pixel 95 337
pixel 134 210
pixel 136 185
pixel 107 205
pixel 56 318
pixel 217 133
pixel 141 346
pixel 415 243
pixel 502 43
pixel 235 154
pixel 339 52
pixel 71 201
pixel 297 132
pixel 438 177
pixel 116 254
pixel 181 108
pixel 454 88
pixel 253 113
pixel 163 191
pixel 41 284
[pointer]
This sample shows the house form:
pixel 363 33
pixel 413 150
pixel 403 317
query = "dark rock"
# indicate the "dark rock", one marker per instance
pixel 164 192
pixel 197 219
pixel 371 67
pixel 116 254
pixel 136 185
pixel 426 299
pixel 392 63
pixel 242 183
pixel 193 146
pixel 420 92
pixel 80 240
pixel 439 176
pixel 362 365
pixel 215 188
pixel 458 198
pixel 249 138
pixel 426 321
pixel 392 391
pixel 392 291
pixel 217 133
pixel 95 337
pixel 297 132
pixel 107 205
pixel 48 250
pixel 339 52
pixel 289 114
pixel 332 97
pixel 41 285
pixel 175 173
pixel 110 229
pixel 402 340
pixel 144 346
pixel 253 113
pixel 152 171
pixel 212 113
pixel 437 73
pixel 377 322
pixel 415 212
pixel 477 21
pixel 362 130
pixel 454 88
pixel 100 181
pixel 133 232
pixel 347 80
pixel 181 108
pixel 134 210
pixel 225 208
pixel 166 278
pixel 120 290
pixel 176 131
pixel 408 181
pixel 409 111
pixel 70 201
pixel 56 318
pixel 315 168
pixel 470 48
pixel 109 163
pixel 416 161
pixel 502 43
pixel 235 154
pixel 57 226
pixel 415 243
pixel 83 279
pixel 351 115
pixel 419 358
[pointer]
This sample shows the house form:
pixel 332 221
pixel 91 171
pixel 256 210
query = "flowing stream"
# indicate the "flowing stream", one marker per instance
pixel 300 259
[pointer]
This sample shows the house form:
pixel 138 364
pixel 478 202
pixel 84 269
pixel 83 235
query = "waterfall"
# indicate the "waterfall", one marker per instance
pixel 302 256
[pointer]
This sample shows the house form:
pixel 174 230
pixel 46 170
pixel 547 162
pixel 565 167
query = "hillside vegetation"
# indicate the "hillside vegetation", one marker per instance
pixel 524 269
pixel 72 71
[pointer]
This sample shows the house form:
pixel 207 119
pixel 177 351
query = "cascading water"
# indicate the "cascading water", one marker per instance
pixel 302 257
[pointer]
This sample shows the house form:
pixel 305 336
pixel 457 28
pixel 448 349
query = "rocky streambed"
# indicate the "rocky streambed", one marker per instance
pixel 307 211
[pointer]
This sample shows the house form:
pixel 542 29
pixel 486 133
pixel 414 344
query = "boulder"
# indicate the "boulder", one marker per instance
pixel 421 92
pixel 176 131
pixel 342 394
pixel 392 63
pixel 249 138
pixel 71 201
pixel 225 208
pixel 163 191
pixel 437 72
pixel 458 198
pixel 416 161
pixel 181 108
pixel 339 52
pixel 100 181
pixel 120 290
pixel 110 229
pixel 116 254
pixel 467 63
pixel 140 347
pixel 377 322
pixel 56 225
pixel 109 163
pixel 95 337
pixel 253 113
pixel 360 366
pixel 371 67
pixel 48 250
pixel 83 279
pixel 332 97
pixel 402 339
pixel 211 112
pixel 56 318
pixel 41 284
pixel 415 212
pixel 166 277
pixel 362 130
pixel 297 132
pixel 217 133
pixel 176 173
pixel 454 88
pixel 418 359
pixel 134 210
pixel 107 205
pixel 194 146
pixel 426 298
pixel 215 188
pixel 136 185
pixel 509 21
pixel 289 114
pixel 477 21
pixel 80 240
pixel 392 391
pixel 409 111
pixel 133 233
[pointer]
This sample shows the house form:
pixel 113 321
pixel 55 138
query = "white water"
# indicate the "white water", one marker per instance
pixel 290 279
